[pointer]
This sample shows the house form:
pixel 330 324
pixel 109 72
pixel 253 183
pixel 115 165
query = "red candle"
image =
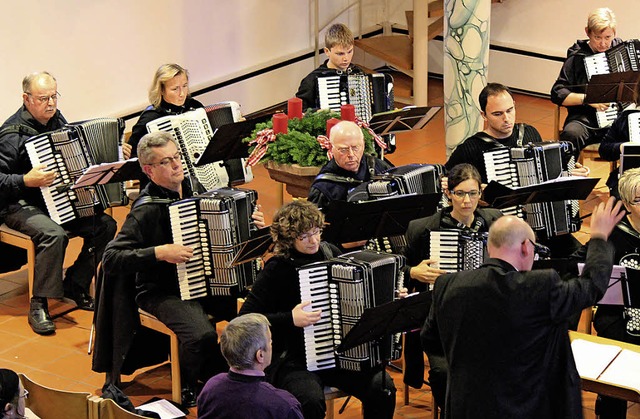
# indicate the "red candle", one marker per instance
pixel 348 112
pixel 294 108
pixel 330 123
pixel 280 121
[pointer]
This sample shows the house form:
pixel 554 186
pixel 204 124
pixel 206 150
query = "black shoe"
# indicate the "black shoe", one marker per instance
pixel 189 397
pixel 39 318
pixel 80 297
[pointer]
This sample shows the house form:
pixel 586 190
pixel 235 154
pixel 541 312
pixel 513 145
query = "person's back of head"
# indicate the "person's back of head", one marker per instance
pixel 246 342
pixel 338 35
pixel 10 398
pixel 512 240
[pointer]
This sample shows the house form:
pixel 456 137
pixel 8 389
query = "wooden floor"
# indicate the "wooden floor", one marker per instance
pixel 61 360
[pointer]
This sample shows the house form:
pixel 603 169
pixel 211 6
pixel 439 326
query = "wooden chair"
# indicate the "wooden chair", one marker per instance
pixel 150 321
pixel 17 239
pixel 108 409
pixel 49 403
pixel 330 395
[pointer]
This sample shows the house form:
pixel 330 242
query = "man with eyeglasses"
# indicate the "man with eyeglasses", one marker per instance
pixel 144 248
pixel 503 327
pixel 22 206
pixel 347 169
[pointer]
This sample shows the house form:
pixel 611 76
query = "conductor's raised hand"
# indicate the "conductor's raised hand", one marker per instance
pixel 173 253
pixel 304 318
pixel 604 218
pixel 38 177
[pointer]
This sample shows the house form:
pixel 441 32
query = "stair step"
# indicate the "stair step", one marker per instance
pixel 396 50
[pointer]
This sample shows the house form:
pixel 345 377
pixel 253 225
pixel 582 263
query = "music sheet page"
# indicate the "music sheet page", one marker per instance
pixel 624 370
pixel 593 358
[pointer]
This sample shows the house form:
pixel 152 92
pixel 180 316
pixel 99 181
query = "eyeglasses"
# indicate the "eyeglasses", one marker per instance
pixel 309 235
pixel 25 394
pixel 540 250
pixel 355 149
pixel 46 99
pixel 167 160
pixel 474 194
pixel 635 203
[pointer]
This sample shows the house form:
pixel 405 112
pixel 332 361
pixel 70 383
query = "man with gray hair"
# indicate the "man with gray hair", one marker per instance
pixel 144 247
pixel 348 168
pixel 503 327
pixel 243 392
pixel 22 206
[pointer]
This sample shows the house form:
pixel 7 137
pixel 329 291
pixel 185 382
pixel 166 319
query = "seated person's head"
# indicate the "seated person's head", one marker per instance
pixel 347 145
pixel 159 157
pixel 171 83
pixel 297 226
pixel 338 45
pixel 629 190
pixel 601 29
pixel 464 191
pixel 512 240
pixel 498 109
pixel 246 342
pixel 40 95
pixel 12 395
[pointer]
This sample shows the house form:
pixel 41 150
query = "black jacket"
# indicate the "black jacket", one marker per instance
pixel 308 90
pixel 573 79
pixel 14 161
pixel 151 114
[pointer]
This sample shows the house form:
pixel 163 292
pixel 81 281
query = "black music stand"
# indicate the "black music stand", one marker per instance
pixel 101 174
pixel 619 291
pixel 629 157
pixel 356 221
pixel 402 315
pixel 226 142
pixel 572 187
pixel 254 248
pixel 614 87
pixel 406 119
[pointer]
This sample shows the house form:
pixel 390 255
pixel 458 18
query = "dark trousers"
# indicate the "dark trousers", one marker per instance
pixel 374 389
pixel 581 135
pixel 200 356
pixel 51 243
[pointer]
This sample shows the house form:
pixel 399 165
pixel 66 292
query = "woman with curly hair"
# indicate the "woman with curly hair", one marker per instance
pixel 296 231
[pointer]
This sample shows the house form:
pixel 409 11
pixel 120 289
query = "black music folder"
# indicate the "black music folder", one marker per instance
pixel 226 142
pixel 572 187
pixel 356 221
pixel 406 119
pixel 401 315
pixel 629 157
pixel 614 87
pixel 101 174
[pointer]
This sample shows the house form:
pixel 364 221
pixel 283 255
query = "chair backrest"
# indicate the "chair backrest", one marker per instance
pixel 49 403
pixel 108 409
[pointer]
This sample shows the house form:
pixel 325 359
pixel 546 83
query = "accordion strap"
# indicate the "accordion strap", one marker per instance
pixel 152 200
pixel 628 229
pixel 371 169
pixel 489 139
pixel 18 129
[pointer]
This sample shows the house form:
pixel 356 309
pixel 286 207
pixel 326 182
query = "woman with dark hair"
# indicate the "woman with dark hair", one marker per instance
pixel 464 191
pixel 12 395
pixel 296 231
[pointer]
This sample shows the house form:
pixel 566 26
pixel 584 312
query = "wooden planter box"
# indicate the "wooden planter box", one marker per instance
pixel 297 179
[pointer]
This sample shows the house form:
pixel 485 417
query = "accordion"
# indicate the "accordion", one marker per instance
pixel 192 131
pixel 457 250
pixel 69 152
pixel 369 93
pixel 343 288
pixel 532 164
pixel 213 224
pixel 401 180
pixel 621 58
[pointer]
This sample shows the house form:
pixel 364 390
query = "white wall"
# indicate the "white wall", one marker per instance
pixel 104 52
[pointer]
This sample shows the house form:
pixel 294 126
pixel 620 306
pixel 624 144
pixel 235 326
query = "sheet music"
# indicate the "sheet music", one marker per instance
pixel 624 370
pixel 613 295
pixel 593 358
pixel 164 408
pixel 634 127
pixel 88 176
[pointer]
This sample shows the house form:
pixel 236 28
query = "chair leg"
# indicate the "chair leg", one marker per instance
pixel 176 385
pixel 435 410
